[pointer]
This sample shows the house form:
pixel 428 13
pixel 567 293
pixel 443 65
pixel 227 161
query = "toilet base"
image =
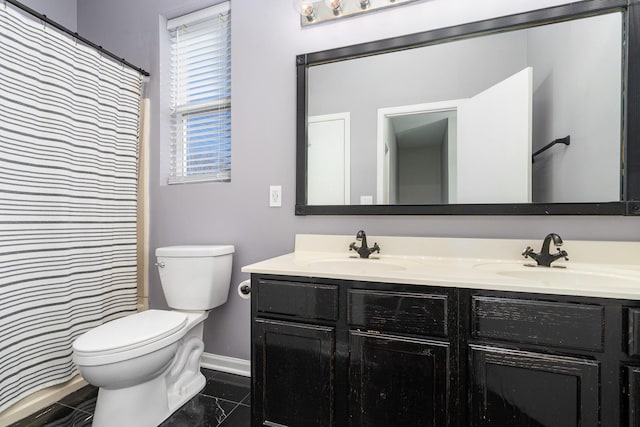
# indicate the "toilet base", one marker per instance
pixel 186 393
pixel 143 405
pixel 184 379
pixel 172 375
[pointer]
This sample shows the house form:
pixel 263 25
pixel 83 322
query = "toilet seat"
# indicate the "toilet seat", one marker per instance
pixel 129 337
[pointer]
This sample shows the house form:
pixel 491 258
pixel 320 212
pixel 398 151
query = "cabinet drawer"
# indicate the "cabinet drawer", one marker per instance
pixel 306 300
pixel 404 312
pixel 558 324
pixel 633 322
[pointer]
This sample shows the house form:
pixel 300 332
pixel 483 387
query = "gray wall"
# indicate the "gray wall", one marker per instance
pixel 266 38
pixel 589 169
pixel 420 175
pixel 62 11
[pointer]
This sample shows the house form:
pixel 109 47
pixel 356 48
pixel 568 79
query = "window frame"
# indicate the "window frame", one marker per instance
pixel 219 147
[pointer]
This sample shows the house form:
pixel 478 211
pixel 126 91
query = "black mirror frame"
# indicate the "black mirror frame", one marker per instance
pixel 630 176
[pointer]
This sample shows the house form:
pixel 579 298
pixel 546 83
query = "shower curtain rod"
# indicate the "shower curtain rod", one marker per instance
pixel 75 35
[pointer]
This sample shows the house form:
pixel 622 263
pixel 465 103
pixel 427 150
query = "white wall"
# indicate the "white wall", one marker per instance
pixel 391 175
pixel 266 39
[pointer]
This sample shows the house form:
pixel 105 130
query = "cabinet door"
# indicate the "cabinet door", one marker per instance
pixel 526 389
pixel 398 381
pixel 293 374
pixel 633 396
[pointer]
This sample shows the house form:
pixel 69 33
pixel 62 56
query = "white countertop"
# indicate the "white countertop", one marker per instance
pixel 595 269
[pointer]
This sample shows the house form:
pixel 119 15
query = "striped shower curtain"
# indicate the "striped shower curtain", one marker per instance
pixel 68 160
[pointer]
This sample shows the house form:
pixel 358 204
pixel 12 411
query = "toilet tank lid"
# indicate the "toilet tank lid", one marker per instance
pixel 195 250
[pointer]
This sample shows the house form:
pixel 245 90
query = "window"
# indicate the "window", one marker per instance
pixel 201 95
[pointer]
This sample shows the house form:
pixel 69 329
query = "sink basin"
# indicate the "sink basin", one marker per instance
pixel 356 266
pixel 558 276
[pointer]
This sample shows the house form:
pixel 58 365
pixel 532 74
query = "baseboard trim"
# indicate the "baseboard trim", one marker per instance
pixel 40 400
pixel 227 364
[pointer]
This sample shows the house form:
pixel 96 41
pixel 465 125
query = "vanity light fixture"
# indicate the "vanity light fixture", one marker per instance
pixel 335 6
pixel 306 9
pixel 316 11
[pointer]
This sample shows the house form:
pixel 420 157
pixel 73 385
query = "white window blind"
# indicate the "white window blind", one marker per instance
pixel 201 95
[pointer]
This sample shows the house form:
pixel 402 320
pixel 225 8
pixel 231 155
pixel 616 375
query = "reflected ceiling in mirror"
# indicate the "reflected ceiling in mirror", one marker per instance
pixel 459 116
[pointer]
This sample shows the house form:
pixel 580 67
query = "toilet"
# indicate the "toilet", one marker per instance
pixel 147 365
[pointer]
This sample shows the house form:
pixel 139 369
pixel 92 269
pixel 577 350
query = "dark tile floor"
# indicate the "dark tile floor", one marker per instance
pixel 224 402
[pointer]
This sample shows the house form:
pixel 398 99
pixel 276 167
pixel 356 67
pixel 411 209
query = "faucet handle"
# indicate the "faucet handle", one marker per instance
pixel 375 248
pixel 564 254
pixel 527 252
pixel 353 247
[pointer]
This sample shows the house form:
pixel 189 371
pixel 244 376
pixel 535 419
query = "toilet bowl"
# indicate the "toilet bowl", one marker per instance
pixel 147 365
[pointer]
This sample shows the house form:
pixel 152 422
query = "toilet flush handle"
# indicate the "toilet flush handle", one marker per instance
pixel 160 264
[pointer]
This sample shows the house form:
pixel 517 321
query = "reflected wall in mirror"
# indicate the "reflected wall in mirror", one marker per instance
pixel 427 153
pixel 458 122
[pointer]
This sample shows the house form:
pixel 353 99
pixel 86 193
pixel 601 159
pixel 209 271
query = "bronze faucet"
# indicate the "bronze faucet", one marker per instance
pixel 544 258
pixel 363 250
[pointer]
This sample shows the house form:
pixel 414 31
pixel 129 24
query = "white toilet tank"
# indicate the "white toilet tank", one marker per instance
pixel 195 277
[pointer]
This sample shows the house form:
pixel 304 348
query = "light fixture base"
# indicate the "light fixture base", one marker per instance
pixel 324 13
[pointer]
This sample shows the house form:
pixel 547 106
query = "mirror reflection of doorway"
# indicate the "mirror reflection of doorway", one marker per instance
pixel 459 151
pixel 416 153
pixel 416 157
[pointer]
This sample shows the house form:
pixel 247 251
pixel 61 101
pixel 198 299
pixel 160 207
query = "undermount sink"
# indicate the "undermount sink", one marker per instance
pixel 558 275
pixel 356 265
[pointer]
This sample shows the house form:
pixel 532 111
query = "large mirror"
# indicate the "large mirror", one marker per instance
pixel 526 114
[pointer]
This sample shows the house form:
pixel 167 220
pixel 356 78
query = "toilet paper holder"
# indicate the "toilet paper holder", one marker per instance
pixel 244 289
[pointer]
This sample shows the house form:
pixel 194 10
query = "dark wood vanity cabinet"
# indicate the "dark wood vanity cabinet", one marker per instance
pixel 400 356
pixel 631 371
pixel 632 395
pixel 334 353
pixel 396 380
pixel 345 353
pixel 521 388
pixel 296 375
pixel 293 353
pixel 534 361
